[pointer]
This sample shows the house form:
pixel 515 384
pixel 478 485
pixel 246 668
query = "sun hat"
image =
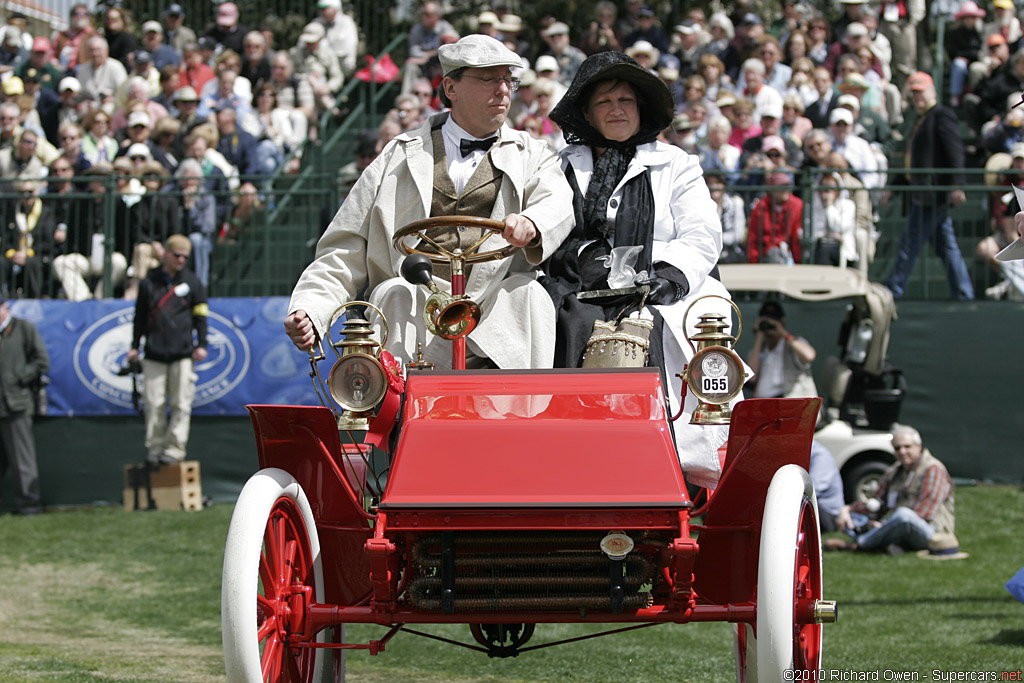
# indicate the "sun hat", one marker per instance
pixel 943 546
pixel 642 47
pixel 656 111
pixel 850 101
pixel 856 29
pixel 313 32
pixel 186 94
pixel 476 51
pixel 510 23
pixel 153 26
pixel 998 162
pixel 13 86
pixel 841 114
pixel 853 80
pixel 139 118
pixel 725 99
pixel 556 29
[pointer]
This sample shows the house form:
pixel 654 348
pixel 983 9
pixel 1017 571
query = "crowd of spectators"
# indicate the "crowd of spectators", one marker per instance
pixel 799 114
pixel 183 118
pixel 796 117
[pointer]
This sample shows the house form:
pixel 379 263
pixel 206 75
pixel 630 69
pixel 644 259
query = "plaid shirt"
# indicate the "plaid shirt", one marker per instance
pixel 927 489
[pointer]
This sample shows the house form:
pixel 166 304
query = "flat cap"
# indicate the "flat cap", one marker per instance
pixel 476 51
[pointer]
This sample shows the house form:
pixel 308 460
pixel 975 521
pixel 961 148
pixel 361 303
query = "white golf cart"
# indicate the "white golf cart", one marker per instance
pixel 862 393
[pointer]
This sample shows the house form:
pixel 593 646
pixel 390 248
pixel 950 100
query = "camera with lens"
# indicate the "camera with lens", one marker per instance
pixel 765 326
pixel 132 367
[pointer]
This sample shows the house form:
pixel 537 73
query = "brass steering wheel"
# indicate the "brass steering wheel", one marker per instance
pixel 442 256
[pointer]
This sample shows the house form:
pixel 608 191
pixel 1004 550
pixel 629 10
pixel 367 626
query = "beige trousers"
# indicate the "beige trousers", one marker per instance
pixel 73 269
pixel 174 384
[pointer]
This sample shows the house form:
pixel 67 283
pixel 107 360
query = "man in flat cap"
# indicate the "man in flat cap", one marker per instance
pixel 464 162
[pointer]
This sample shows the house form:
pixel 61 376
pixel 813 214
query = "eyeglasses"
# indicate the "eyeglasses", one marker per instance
pixel 490 81
pixel 80 13
pixel 138 157
pixel 28 143
pixel 773 154
pixel 179 256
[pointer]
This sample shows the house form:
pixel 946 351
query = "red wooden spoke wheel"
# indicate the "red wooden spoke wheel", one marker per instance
pixel 272 573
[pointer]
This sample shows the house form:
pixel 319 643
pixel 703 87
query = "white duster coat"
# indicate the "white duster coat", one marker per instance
pixel 355 257
pixel 687 235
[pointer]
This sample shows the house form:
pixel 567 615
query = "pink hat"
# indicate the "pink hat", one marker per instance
pixel 920 81
pixel 773 142
pixel 969 9
pixel 40 44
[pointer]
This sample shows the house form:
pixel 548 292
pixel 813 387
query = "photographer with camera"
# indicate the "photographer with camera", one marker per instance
pixel 171 304
pixel 780 360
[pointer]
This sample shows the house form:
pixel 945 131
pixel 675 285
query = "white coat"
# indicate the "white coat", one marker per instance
pixel 687 235
pixel 355 257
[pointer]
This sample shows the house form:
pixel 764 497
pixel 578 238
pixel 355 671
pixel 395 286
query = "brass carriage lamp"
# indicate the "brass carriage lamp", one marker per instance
pixel 358 380
pixel 715 374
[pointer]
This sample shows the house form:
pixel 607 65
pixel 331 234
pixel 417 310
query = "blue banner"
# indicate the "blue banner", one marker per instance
pixel 250 359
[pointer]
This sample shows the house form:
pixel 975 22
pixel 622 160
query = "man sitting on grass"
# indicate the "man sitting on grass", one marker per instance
pixel 914 502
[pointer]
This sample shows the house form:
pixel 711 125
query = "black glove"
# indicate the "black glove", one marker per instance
pixel 663 292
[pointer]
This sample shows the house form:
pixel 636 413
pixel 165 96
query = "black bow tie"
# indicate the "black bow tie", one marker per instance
pixel 467 146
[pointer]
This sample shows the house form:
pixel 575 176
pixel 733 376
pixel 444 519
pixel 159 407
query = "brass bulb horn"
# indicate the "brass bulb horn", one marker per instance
pixel 445 315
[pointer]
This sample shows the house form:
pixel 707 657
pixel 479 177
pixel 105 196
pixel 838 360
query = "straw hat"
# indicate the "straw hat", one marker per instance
pixel 943 547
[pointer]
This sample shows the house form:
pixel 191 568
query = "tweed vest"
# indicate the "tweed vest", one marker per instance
pixel 476 199
pixel 909 485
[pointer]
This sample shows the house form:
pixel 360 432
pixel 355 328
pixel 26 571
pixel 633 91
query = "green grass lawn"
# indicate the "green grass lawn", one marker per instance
pixel 103 595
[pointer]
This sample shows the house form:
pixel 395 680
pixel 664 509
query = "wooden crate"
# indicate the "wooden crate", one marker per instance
pixel 175 487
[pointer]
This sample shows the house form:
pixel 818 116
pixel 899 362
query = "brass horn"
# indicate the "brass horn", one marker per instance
pixel 446 315
pixel 450 317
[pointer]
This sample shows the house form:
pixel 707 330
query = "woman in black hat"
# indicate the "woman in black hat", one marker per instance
pixel 629 189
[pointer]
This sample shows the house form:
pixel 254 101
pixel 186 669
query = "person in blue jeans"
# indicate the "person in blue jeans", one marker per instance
pixel 914 501
pixel 934 142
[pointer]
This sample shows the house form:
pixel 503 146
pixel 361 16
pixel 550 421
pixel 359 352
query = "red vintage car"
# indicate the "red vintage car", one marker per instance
pixel 504 499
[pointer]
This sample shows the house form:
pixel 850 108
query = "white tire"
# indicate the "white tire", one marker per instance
pixel 789 570
pixel 270 493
